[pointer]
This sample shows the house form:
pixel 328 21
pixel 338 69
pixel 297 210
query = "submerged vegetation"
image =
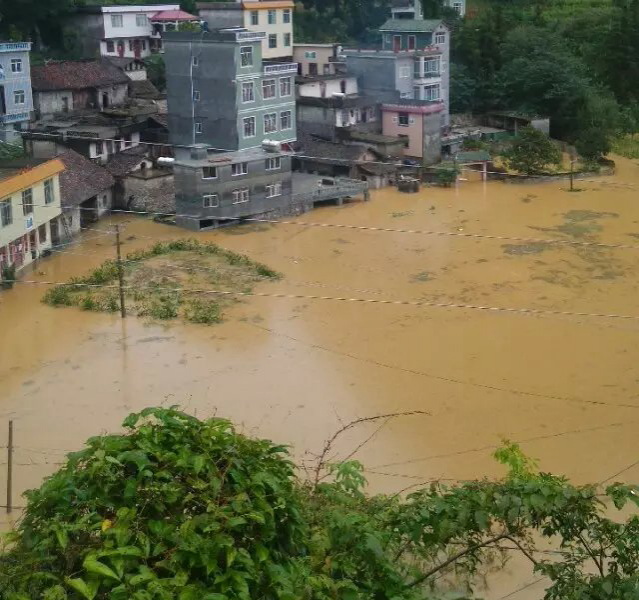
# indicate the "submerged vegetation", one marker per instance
pixel 167 281
pixel 180 508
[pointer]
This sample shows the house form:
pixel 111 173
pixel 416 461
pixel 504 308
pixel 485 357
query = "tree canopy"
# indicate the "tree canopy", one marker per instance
pixel 179 508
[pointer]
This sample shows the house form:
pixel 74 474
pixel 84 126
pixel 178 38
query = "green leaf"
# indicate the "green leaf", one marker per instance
pixel 62 537
pixel 261 551
pixel 481 518
pixel 80 586
pixel 198 462
pixel 372 543
pixel 607 587
pixel 95 566
pixel 230 556
pixel 215 597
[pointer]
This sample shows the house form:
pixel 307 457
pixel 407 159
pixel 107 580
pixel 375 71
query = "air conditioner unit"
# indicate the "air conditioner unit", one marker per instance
pixel 271 146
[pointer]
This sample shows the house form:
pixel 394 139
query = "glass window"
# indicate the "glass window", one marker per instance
pixel 440 37
pixel 248 92
pixel 196 95
pixel 27 201
pixel 18 97
pixel 268 88
pixel 246 56
pixel 272 40
pixel 285 86
pixel 42 233
pixel 270 123
pixel 287 39
pixel 99 148
pixel 209 172
pixel 131 45
pixel 239 169
pixel 416 93
pixel 274 189
pixel 310 54
pixel 432 65
pixel 116 21
pixel 49 193
pixel 402 119
pixel 6 212
pixel 110 46
pixel 255 17
pixel 196 61
pixel 241 195
pixel 286 121
pixel 198 127
pixel 287 15
pixel 272 17
pixel 458 7
pixel 431 92
pixel 404 72
pixel 273 163
pixel 210 201
pixel 16 65
pixel 141 20
pixel 249 127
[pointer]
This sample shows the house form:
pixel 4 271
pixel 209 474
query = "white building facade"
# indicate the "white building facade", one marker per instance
pixel 16 99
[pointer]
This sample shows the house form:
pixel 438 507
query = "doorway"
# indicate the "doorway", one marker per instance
pixel 397 43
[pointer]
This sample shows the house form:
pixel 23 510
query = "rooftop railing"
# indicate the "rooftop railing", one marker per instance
pixel 281 68
pixel 14 46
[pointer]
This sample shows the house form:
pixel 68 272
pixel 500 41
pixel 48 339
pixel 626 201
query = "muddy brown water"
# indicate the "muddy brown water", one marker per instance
pixel 294 369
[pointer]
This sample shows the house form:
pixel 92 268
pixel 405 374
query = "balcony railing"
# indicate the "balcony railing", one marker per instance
pixel 15 46
pixel 250 36
pixel 281 68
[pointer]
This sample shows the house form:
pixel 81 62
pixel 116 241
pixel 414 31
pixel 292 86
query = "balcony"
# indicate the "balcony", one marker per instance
pixel 15 46
pixel 250 36
pixel 279 68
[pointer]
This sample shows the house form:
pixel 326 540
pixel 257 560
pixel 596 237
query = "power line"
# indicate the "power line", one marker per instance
pixel 495 309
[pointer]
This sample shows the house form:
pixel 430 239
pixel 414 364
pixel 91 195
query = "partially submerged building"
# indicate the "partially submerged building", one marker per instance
pixel 16 100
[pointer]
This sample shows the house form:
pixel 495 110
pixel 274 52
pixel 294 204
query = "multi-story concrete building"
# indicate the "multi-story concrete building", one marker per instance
pixel 30 208
pixel 318 59
pixel 16 101
pixel 412 9
pixel 274 18
pixel 125 31
pixel 231 117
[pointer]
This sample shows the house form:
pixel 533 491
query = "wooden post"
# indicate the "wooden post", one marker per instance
pixel 572 163
pixel 120 272
pixel 10 468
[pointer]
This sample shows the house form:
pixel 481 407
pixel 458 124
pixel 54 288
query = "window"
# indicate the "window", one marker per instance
pixel 272 17
pixel 458 7
pixel 431 92
pixel 16 65
pixel 285 120
pixel 404 95
pixel 196 61
pixel 116 21
pixel 27 201
pixel 141 20
pixel 18 97
pixel 248 92
pixel 310 54
pixel 49 194
pixel 404 72
pixel 241 195
pixel 210 201
pixel 411 42
pixel 287 39
pixel 198 127
pixel 272 40
pixel 416 93
pixel 99 148
pixel 249 127
pixel 432 66
pixel 402 119
pixel 287 15
pixel 209 172
pixel 255 17
pixel 440 37
pixel 285 86
pixel 110 46
pixel 42 233
pixel 268 89
pixel 196 95
pixel 274 189
pixel 273 164
pixel 6 212
pixel 270 123
pixel 131 45
pixel 246 56
pixel 239 169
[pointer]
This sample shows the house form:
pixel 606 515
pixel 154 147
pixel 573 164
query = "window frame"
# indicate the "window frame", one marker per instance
pixel 272 16
pixel 272 117
pixel 286 81
pixel 403 116
pixel 310 54
pixel 404 72
pixel 272 41
pixel 289 115
pixel 49 191
pixel 268 83
pixel 246 51
pixel 273 163
pixel 255 17
pixel 214 169
pixel 438 37
pixel 243 166
pixel 199 128
pixel 110 46
pixel 286 16
pixel 246 85
pixel 119 18
pixel 196 95
pixel 273 190
pixel 6 212
pixel 208 197
pixel 288 40
pixel 245 122
pixel 433 86
pixel 144 18
pixel 241 195
pixel 27 205
pixel 16 94
pixel 16 65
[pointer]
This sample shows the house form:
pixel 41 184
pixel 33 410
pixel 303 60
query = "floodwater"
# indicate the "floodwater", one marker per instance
pixel 296 369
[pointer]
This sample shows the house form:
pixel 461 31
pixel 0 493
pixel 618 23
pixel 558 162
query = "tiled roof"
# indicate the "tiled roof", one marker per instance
pixel 81 178
pixel 76 75
pixel 173 15
pixel 121 163
pixel 144 89
pixel 411 25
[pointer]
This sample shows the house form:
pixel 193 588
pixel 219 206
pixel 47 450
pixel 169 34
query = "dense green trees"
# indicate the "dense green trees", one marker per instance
pixel 532 152
pixel 183 509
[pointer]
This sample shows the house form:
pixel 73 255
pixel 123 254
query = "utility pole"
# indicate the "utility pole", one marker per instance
pixel 572 163
pixel 10 467
pixel 120 272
